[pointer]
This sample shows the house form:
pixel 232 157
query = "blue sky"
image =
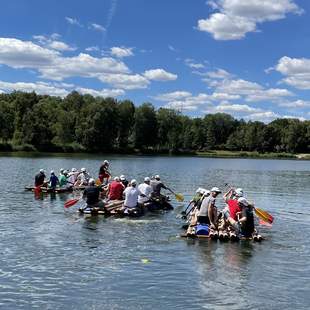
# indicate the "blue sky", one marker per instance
pixel 248 58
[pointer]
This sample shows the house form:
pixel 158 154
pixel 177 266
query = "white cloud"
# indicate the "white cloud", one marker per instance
pixel 185 101
pixel 194 65
pixel 73 21
pixel 97 27
pixel 171 48
pixel 23 54
pixel 160 75
pixel 92 49
pixel 298 104
pixel 225 27
pixel 101 93
pixel 125 81
pixel 121 52
pixel 296 70
pixel 235 18
pixel 60 46
pixel 173 96
pixel 219 74
pixel 39 87
pixel 53 42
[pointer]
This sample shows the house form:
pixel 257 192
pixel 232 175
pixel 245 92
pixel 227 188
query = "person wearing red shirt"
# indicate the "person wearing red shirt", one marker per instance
pixel 116 189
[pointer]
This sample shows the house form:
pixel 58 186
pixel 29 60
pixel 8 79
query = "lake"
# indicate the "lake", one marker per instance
pixel 52 258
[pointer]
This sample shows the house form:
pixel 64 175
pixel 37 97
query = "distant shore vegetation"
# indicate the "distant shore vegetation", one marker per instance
pixel 83 123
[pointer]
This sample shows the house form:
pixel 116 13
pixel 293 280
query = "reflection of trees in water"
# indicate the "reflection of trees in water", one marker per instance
pixel 223 273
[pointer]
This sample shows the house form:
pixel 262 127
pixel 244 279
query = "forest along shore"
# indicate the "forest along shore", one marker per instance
pixel 83 123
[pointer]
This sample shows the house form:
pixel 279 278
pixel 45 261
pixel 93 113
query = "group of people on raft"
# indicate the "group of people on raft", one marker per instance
pixel 235 220
pixel 98 193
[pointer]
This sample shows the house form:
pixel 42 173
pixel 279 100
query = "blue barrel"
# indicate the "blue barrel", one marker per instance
pixel 202 229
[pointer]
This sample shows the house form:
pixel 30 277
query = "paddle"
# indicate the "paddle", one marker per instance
pixel 185 211
pixel 264 215
pixel 71 202
pixel 178 197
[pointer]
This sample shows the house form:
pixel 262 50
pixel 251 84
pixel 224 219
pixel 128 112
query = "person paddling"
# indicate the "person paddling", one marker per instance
pixel 124 181
pixel 104 174
pixel 208 211
pixel 116 189
pixel 39 179
pixel 83 178
pixel 146 190
pixel 157 185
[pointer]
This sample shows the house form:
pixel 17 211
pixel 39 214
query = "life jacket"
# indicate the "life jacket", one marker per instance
pixel 234 208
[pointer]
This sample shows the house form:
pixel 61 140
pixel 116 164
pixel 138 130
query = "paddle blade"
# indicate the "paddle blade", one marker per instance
pixel 264 215
pixel 71 203
pixel 263 223
pixel 98 182
pixel 179 197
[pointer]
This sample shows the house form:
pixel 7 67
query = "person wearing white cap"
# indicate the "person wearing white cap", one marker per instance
pixel 208 211
pixel 72 176
pixel 246 220
pixel 131 194
pixel 104 173
pixel 146 190
pixel 124 181
pixel 115 190
pixel 193 214
pixel 82 178
pixel 39 178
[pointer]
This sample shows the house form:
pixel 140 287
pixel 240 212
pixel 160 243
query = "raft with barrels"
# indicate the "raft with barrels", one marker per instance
pixel 116 208
pixel 57 190
pixel 204 232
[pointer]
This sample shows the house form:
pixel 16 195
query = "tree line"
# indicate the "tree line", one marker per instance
pixel 93 124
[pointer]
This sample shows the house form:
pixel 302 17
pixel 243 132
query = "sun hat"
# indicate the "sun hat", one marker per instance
pixel 215 189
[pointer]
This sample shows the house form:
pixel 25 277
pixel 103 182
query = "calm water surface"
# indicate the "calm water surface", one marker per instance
pixel 53 259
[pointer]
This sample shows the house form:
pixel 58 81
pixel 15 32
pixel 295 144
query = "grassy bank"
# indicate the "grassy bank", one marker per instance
pixel 243 154
pixel 23 150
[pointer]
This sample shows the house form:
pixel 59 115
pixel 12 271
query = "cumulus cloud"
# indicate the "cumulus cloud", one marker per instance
pixel 53 42
pixel 296 71
pixel 160 75
pixel 101 93
pixel 176 95
pixel 297 104
pixel 52 65
pixel 233 19
pixel 38 87
pixel 125 81
pixel 121 52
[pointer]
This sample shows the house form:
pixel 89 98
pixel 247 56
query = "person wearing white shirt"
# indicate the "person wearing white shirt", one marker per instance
pixel 145 190
pixel 131 194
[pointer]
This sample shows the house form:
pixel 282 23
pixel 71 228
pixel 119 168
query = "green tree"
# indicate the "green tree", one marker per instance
pixel 145 128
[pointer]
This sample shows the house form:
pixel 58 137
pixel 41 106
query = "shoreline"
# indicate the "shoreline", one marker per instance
pixel 207 154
